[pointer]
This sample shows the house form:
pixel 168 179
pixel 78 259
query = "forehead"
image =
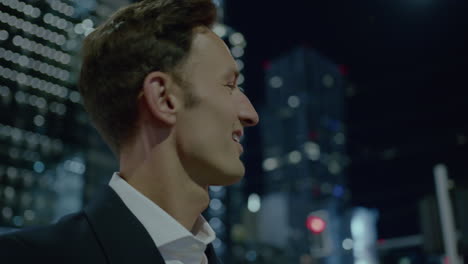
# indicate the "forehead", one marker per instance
pixel 209 53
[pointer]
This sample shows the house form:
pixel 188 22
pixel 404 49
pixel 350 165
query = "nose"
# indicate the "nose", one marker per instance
pixel 247 113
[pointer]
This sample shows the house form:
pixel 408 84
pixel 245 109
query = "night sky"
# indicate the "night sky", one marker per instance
pixel 406 109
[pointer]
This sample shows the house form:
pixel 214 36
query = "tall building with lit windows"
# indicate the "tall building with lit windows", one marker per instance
pixel 303 142
pixel 51 158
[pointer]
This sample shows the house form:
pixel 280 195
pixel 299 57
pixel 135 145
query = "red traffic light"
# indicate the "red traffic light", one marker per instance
pixel 315 224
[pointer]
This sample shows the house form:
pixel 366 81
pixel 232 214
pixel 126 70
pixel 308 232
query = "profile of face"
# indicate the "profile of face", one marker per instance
pixel 208 133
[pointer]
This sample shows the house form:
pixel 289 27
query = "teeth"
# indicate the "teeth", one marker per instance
pixel 236 138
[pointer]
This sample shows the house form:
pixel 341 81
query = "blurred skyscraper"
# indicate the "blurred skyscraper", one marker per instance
pixel 303 141
pixel 51 158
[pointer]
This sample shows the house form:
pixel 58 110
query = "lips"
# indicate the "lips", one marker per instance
pixel 237 137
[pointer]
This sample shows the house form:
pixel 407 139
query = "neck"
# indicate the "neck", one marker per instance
pixel 162 179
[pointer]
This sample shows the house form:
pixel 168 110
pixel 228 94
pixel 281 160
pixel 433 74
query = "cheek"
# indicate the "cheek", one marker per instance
pixel 221 108
pixel 212 120
pixel 200 130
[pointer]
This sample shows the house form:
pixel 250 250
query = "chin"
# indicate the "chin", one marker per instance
pixel 233 180
pixel 220 173
pixel 233 177
pixel 227 176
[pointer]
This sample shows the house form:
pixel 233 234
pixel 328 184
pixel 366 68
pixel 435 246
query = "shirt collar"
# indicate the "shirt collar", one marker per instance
pixel 162 227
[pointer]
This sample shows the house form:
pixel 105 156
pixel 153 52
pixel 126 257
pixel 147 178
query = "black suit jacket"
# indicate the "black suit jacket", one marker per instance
pixel 104 232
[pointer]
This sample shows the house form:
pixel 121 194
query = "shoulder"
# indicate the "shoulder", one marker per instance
pixel 69 239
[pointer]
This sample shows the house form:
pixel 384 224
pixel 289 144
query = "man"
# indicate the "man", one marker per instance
pixel 160 87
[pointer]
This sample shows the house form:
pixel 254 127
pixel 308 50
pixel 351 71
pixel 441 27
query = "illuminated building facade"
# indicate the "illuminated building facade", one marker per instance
pixel 51 158
pixel 303 141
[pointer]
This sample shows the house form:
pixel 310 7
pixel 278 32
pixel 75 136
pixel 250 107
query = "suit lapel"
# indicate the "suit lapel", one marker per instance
pixel 122 237
pixel 211 255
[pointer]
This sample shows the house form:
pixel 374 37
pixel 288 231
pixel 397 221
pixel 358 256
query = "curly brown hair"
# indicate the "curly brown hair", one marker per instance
pixel 151 35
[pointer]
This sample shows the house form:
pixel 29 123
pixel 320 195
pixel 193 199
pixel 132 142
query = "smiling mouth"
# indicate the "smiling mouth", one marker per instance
pixel 237 137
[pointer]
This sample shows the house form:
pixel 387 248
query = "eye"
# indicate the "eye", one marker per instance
pixel 231 87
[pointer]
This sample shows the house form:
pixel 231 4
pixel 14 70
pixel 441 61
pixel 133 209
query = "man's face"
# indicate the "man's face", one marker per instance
pixel 208 132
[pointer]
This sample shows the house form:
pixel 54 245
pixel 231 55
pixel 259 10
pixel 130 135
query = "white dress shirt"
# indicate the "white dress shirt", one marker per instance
pixel 176 244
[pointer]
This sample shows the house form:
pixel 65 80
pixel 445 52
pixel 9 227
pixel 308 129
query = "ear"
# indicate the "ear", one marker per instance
pixel 158 92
